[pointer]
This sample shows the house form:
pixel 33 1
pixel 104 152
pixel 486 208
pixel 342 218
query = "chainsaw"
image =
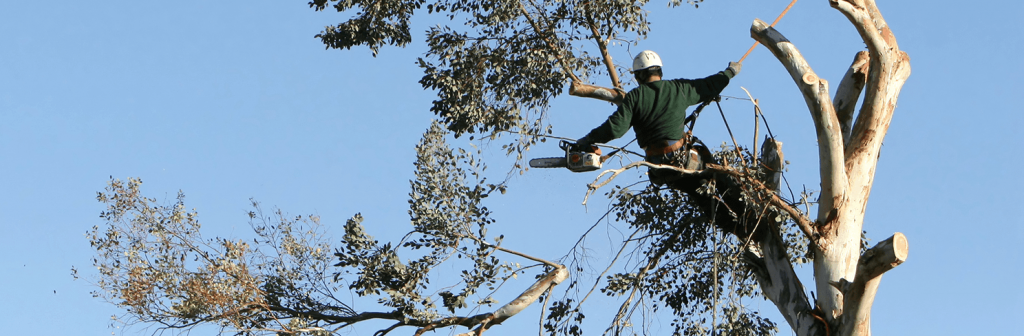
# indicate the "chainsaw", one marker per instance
pixel 577 160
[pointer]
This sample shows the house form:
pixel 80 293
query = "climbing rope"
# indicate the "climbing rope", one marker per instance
pixel 734 143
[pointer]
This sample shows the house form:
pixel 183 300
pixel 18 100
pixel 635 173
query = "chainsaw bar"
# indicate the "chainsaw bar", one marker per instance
pixel 549 162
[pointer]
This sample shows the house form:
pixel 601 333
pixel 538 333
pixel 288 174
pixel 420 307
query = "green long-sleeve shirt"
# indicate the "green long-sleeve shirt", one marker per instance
pixel 656 110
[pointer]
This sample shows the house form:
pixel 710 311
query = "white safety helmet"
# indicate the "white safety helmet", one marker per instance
pixel 646 59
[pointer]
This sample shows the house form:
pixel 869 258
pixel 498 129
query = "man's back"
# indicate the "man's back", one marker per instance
pixel 656 110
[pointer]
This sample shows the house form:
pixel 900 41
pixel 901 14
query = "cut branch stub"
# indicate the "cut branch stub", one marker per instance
pixel 883 257
pixel 860 295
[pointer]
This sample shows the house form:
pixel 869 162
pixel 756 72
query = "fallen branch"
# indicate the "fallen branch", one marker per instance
pixel 549 280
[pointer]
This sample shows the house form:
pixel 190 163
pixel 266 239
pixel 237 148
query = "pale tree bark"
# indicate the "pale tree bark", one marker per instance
pixel 849 91
pixel 770 261
pixel 847 156
pixel 592 91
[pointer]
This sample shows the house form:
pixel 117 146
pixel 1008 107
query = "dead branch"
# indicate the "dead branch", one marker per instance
pixel 805 224
pixel 801 220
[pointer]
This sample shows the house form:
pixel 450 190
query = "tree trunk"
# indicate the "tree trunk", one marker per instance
pixel 847 157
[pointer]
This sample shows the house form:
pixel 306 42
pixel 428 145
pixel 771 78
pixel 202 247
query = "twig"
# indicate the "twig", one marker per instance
pixel 612 263
pixel 485 243
pixel 640 275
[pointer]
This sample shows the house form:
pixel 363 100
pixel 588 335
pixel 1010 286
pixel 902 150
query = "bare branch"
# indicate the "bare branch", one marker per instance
pixel 845 101
pixel 395 315
pixel 832 171
pixel 597 184
pixel 863 15
pixel 889 69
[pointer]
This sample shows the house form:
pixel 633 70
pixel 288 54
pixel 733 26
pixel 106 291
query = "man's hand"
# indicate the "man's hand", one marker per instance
pixel 735 68
pixel 583 144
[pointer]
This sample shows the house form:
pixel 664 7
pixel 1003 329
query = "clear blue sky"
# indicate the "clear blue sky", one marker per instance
pixel 235 100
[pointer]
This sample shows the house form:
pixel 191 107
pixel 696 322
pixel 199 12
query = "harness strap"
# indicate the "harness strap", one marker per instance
pixel 663 147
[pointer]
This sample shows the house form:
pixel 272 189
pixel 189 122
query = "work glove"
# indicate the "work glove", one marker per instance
pixel 584 144
pixel 735 68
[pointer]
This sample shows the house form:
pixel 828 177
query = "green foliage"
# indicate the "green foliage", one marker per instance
pixel 496 72
pixel 154 262
pixel 500 68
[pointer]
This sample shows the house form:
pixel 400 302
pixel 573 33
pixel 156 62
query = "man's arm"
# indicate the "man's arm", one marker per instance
pixel 613 128
pixel 711 86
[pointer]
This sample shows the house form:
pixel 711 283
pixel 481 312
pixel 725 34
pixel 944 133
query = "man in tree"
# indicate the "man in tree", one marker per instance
pixel 656 109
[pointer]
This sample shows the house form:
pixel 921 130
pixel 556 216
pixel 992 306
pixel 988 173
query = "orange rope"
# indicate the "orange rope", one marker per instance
pixel 773 25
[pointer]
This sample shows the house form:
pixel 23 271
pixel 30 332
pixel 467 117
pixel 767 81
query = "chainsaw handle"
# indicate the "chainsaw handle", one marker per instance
pixel 566 145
